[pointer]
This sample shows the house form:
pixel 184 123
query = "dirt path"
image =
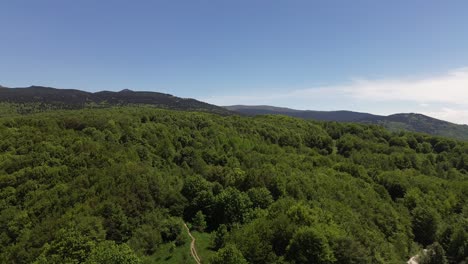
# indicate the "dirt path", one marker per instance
pixel 413 260
pixel 193 250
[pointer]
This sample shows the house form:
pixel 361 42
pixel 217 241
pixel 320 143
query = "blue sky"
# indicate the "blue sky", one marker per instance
pixel 375 56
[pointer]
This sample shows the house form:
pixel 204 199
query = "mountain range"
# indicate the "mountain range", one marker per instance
pixel 74 99
pixel 403 121
pixel 54 98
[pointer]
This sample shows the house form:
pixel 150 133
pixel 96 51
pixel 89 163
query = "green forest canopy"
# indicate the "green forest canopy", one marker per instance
pixel 115 185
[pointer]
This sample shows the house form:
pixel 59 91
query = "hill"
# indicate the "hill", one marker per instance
pixel 115 185
pixel 339 116
pixel 47 97
pixel 38 99
pixel 411 122
pixel 421 123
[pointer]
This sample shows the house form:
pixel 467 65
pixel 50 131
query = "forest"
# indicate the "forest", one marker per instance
pixel 116 185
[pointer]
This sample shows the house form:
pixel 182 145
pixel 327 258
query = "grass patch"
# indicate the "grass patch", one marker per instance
pixel 170 254
pixel 203 245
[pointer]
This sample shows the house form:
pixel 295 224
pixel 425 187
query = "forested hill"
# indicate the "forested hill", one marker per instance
pixel 115 185
pixel 411 122
pixel 35 99
pixel 420 123
pixel 44 98
pixel 339 116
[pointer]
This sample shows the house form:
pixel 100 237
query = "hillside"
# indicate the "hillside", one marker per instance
pixel 421 123
pixel 339 116
pixel 52 98
pixel 38 99
pixel 115 185
pixel 411 122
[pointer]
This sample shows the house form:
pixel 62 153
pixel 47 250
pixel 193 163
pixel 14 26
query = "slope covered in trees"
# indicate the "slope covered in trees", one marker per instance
pixel 410 122
pixel 115 186
pixel 37 99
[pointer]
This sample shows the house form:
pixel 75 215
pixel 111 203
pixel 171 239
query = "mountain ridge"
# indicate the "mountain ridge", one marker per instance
pixel 415 122
pixel 75 99
pixel 344 115
pixel 46 98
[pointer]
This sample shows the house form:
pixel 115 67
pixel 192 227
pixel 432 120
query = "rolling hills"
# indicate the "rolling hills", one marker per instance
pixel 38 99
pixel 77 99
pixel 408 121
pixel 116 185
pixel 108 177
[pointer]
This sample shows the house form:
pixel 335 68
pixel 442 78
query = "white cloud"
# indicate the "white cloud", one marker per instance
pixel 451 87
pixel 274 98
pixel 444 96
pixel 454 115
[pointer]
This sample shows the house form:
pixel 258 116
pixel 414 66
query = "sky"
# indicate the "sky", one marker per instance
pixel 381 57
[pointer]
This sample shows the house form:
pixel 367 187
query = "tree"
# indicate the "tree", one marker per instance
pixel 69 247
pixel 219 239
pixel 398 142
pixel 425 225
pixel 108 252
pixel 260 197
pixel 308 245
pixel 231 206
pixel 349 143
pixel 457 247
pixel 145 239
pixel 442 145
pixel 435 254
pixel 171 229
pixel 229 255
pixel 115 222
pixel 198 221
pixel 348 251
pixel 193 185
pixel 317 138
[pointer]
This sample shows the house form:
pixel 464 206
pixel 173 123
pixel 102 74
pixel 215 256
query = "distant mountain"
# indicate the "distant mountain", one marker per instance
pixel 73 99
pixel 340 116
pixel 410 122
pixel 46 98
pixel 421 123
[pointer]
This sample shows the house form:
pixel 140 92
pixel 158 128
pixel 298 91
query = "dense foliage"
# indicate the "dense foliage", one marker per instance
pixel 115 185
